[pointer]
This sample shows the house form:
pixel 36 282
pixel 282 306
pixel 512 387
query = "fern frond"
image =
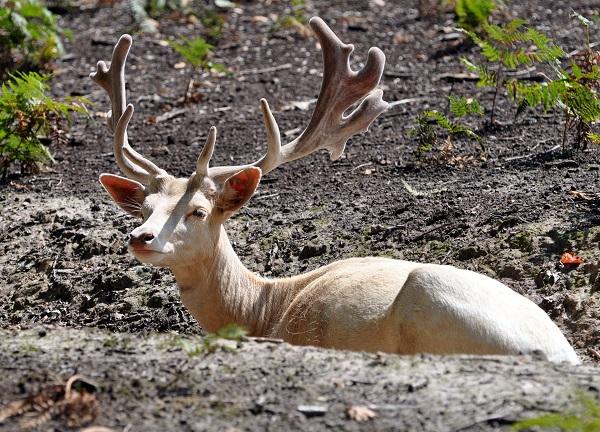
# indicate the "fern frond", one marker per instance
pixel 461 106
pixel 487 78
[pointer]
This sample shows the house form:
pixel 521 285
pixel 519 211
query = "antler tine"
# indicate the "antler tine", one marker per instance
pixel 112 79
pixel 328 128
pixel 207 152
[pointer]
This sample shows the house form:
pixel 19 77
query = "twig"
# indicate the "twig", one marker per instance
pixel 527 156
pixel 392 74
pixel 429 231
pixel 577 51
pixel 171 114
pixel 361 165
pixel 264 70
pixel 416 193
pixel 266 196
pixel 406 101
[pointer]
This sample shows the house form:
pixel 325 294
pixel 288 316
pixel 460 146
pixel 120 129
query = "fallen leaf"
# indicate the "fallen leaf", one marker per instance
pixel 570 259
pixel 401 37
pixel 97 429
pixel 75 403
pixel 360 413
pixel 298 105
pixel 586 196
pixel 259 19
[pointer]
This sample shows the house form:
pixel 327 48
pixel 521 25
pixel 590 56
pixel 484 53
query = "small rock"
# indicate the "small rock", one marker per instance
pixel 510 271
pixel 112 282
pixel 547 243
pixel 312 410
pixel 311 250
pixel 471 252
pixel 571 304
pixel 156 300
pixel 376 229
pixel 546 278
pixel 566 163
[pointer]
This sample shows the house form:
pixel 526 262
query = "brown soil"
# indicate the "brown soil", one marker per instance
pixel 63 262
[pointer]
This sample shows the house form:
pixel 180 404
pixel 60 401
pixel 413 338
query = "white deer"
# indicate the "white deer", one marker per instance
pixel 369 304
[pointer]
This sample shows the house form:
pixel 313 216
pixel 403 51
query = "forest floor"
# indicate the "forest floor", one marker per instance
pixel 73 301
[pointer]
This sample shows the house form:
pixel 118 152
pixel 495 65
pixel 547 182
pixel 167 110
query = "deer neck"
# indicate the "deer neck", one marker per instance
pixel 220 290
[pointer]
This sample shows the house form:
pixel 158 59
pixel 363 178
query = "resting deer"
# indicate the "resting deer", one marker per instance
pixel 370 304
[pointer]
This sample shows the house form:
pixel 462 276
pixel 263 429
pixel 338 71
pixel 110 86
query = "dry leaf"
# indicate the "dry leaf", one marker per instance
pixel 300 105
pixel 586 196
pixel 259 19
pixel 570 259
pixel 97 429
pixel 401 37
pixel 73 407
pixel 360 413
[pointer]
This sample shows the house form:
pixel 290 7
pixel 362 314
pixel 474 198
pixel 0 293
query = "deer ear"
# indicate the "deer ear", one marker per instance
pixel 238 189
pixel 128 194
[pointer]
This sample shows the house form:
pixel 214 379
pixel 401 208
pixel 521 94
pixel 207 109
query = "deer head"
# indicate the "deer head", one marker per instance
pixel 182 217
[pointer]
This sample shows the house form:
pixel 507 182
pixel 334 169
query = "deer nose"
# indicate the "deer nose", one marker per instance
pixel 141 239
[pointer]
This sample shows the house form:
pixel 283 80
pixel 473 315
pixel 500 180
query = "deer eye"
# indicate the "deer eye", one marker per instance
pixel 199 213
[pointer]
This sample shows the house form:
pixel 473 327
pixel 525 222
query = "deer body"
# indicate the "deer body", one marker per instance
pixel 370 304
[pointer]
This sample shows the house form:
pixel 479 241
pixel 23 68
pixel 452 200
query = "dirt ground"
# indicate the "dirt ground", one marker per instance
pixel 64 269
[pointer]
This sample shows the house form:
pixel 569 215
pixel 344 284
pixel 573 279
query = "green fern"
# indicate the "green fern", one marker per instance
pixel 197 52
pixel 593 137
pixel 487 78
pixel 430 123
pixel 547 94
pixel 510 47
pixel 472 14
pixel 27 113
pixel 29 30
pixel 511 44
pixel 461 107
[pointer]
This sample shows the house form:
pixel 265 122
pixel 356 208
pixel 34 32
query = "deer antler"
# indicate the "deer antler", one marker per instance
pixel 112 79
pixel 328 128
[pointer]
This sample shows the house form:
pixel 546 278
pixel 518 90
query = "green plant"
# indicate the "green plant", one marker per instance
pixel 295 17
pixel 579 92
pixel 573 89
pixel 26 114
pixel 473 14
pixel 29 35
pixel 146 12
pixel 429 123
pixel 210 342
pixel 586 418
pixel 198 53
pixel 509 47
